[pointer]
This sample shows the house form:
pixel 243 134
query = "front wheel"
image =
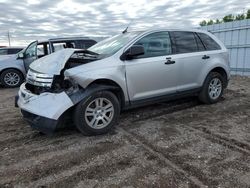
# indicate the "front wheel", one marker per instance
pixel 97 114
pixel 11 78
pixel 212 88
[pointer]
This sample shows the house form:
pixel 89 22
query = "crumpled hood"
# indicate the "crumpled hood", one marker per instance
pixel 52 64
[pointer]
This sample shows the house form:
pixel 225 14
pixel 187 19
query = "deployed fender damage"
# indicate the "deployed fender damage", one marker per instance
pixel 35 108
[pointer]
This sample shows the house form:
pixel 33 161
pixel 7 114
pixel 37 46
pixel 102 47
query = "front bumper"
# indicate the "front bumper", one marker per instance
pixel 40 123
pixel 43 111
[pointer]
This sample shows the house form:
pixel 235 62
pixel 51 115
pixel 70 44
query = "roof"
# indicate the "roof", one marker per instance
pixel 171 29
pixel 69 38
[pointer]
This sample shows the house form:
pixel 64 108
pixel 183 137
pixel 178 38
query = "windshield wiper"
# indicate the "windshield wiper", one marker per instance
pixel 85 51
pixel 86 54
pixel 91 56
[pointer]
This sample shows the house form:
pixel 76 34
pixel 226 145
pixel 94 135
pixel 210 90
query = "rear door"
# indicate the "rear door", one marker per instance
pixel 213 49
pixel 189 52
pixel 154 73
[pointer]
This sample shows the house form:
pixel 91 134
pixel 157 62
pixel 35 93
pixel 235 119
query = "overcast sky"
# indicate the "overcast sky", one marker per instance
pixel 29 20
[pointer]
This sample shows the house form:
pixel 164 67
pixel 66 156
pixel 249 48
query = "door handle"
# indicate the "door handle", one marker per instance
pixel 169 62
pixel 205 57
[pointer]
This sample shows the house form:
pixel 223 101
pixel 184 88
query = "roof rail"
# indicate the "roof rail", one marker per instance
pixel 68 38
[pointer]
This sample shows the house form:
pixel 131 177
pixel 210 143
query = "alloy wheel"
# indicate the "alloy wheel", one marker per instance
pixel 215 88
pixel 99 113
pixel 12 79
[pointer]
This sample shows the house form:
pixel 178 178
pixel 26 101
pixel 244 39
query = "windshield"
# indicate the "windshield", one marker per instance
pixel 113 44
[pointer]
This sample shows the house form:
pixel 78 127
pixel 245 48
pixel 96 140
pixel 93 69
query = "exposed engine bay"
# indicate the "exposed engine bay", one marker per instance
pixel 38 84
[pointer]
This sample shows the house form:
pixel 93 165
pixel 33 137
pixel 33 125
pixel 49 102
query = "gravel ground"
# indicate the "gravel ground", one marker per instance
pixel 176 144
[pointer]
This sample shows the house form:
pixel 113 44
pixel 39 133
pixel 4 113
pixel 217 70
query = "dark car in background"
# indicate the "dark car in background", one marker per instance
pixel 10 50
pixel 13 68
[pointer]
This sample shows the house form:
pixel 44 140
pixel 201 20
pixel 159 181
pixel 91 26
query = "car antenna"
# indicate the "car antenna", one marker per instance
pixel 126 30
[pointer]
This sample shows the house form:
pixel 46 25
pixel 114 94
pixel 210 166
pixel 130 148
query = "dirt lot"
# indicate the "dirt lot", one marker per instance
pixel 175 144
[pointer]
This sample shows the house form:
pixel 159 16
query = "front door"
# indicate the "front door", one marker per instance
pixel 153 74
pixel 30 55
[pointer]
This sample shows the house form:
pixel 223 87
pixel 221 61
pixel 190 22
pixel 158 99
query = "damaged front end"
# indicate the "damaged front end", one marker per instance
pixel 42 111
pixel 47 94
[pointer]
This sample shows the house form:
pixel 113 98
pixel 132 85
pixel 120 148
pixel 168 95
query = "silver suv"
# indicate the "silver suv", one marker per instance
pixel 128 70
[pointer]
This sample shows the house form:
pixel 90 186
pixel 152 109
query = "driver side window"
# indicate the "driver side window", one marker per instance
pixel 31 51
pixel 155 44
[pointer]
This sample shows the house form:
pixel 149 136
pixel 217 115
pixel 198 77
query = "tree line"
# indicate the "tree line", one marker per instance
pixel 227 18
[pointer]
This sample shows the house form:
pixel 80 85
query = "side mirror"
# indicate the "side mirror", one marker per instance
pixel 20 55
pixel 133 51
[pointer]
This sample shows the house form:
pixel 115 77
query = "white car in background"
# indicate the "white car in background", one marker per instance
pixel 13 68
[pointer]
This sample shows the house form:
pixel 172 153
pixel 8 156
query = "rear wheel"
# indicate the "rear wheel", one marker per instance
pixel 212 88
pixel 11 78
pixel 97 114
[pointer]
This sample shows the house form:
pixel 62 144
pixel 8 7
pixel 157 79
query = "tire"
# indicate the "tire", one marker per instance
pixel 212 92
pixel 106 113
pixel 11 78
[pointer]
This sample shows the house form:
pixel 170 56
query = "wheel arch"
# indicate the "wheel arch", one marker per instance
pixel 14 68
pixel 223 73
pixel 114 88
pixel 220 70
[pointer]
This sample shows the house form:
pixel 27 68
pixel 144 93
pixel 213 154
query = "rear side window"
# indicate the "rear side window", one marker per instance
pixel 185 42
pixel 3 52
pixel 209 43
pixel 155 44
pixel 200 45
pixel 14 50
pixel 42 49
pixel 58 45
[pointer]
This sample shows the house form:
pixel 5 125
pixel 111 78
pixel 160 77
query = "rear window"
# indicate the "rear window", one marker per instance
pixel 185 42
pixel 208 42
